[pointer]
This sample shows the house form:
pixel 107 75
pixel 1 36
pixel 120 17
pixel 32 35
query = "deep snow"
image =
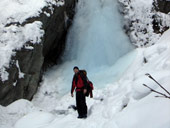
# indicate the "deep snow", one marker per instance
pixel 143 109
pixel 117 87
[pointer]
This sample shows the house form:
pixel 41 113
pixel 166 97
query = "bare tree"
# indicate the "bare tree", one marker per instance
pixel 160 93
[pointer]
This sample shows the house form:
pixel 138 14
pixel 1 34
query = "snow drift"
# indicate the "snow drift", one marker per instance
pixel 126 103
pixel 119 100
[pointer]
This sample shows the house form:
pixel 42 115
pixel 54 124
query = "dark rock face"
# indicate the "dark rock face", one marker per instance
pixel 162 5
pixel 52 49
pixel 33 62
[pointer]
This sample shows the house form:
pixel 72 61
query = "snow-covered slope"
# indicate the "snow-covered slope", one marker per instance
pixel 143 110
pixel 120 103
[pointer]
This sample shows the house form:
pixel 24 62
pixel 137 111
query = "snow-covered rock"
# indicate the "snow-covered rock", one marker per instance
pixel 143 22
pixel 31 32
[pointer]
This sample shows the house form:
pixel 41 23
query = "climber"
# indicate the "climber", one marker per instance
pixel 80 83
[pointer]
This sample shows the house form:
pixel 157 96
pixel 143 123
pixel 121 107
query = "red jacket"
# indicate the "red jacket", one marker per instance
pixel 77 83
pixel 80 82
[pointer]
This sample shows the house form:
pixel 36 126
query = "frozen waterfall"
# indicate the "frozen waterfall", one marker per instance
pixel 96 42
pixel 96 37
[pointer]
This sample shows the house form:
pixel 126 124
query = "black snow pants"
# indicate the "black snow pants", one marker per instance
pixel 81 103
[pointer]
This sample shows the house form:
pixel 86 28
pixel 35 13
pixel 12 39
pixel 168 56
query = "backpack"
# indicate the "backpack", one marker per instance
pixel 89 89
pixel 89 85
pixel 84 72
